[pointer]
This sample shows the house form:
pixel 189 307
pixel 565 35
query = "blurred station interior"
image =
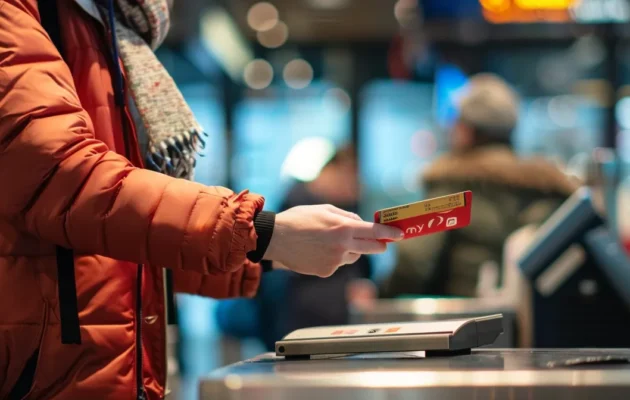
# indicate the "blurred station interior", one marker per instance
pixel 280 84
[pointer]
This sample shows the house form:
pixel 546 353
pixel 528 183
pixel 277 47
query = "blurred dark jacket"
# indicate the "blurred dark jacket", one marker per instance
pixel 508 193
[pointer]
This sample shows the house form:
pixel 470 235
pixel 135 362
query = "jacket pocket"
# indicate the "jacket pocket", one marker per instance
pixel 26 381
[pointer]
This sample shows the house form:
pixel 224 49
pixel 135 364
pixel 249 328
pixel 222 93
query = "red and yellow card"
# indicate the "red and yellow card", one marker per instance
pixel 429 216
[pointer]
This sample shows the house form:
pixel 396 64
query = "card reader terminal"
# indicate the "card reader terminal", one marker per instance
pixel 435 337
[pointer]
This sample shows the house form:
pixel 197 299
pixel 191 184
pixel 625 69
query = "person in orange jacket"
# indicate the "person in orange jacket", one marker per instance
pixel 96 144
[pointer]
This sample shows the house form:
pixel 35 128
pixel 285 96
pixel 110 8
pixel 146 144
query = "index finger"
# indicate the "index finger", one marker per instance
pixel 370 230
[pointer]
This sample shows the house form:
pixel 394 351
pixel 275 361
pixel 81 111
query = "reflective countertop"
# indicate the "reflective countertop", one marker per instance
pixel 492 373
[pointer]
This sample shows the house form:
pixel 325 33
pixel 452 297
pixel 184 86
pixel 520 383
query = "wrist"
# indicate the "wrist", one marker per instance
pixel 274 249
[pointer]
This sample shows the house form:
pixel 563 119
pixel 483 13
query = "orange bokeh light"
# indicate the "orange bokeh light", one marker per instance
pixel 515 11
pixel 496 6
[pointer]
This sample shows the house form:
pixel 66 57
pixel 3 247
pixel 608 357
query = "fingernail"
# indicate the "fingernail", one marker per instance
pixel 397 235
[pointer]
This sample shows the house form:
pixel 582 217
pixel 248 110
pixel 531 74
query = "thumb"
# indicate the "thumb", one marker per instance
pixel 388 232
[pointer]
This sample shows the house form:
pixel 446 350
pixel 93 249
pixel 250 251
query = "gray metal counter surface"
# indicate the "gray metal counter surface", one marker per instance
pixel 512 374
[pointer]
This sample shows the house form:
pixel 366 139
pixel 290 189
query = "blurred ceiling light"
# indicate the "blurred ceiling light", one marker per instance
pixel 262 16
pixel 274 37
pixel 298 74
pixel 622 111
pixel 258 74
pixel 222 38
pixel 340 96
pixel 406 11
pixel 329 4
pixel 307 158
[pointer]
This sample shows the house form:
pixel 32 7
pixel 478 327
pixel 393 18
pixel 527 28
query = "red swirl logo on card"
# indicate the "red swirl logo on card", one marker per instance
pixel 429 216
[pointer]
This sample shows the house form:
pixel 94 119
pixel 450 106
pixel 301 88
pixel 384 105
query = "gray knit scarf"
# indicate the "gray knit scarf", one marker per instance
pixel 174 134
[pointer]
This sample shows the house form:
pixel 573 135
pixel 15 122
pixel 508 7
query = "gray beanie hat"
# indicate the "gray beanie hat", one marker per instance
pixel 489 104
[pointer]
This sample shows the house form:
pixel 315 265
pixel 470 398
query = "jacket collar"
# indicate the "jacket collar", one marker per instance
pixel 499 165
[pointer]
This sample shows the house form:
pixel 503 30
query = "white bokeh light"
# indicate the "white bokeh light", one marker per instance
pixel 307 158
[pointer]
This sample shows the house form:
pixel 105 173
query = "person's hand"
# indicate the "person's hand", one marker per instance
pixel 316 240
pixel 361 292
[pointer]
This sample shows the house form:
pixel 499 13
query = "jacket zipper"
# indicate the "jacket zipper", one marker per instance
pixel 139 381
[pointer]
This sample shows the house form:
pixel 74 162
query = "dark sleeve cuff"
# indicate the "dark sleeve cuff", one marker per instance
pixel 267 266
pixel 264 222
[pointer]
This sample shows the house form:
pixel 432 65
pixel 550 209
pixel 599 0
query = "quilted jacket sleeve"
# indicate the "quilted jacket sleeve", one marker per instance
pixel 61 185
pixel 243 282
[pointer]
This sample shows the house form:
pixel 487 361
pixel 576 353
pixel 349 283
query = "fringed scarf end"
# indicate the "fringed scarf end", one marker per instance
pixel 176 155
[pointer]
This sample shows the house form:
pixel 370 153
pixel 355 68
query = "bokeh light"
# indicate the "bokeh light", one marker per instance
pixel 495 6
pixel 341 97
pixel 258 74
pixel 262 16
pixel 274 37
pixel 298 74
pixel 307 158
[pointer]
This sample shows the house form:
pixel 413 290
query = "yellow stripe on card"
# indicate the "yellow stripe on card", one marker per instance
pixel 437 204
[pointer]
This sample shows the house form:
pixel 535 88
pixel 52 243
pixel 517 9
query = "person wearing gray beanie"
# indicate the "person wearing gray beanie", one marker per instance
pixel 488 113
pixel 508 192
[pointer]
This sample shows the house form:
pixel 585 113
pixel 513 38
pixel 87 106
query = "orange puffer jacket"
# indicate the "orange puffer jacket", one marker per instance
pixel 65 180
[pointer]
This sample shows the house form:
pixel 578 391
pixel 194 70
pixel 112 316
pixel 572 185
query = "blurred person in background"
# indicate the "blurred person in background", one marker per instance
pixel 91 212
pixel 508 192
